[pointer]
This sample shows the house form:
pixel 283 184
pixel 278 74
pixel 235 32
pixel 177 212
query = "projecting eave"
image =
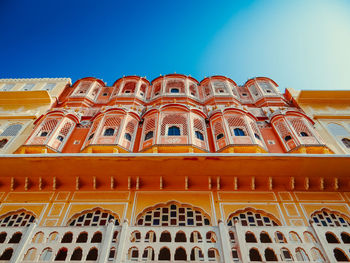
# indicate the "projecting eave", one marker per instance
pixel 196 171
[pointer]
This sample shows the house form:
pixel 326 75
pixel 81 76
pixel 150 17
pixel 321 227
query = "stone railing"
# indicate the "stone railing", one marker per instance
pixel 206 244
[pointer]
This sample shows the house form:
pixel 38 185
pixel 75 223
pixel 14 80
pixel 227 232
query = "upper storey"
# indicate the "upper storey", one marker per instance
pixel 257 92
pixel 174 113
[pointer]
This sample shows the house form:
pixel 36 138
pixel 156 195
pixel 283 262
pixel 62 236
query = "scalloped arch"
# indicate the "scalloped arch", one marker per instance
pixel 109 212
pixel 22 210
pixel 255 211
pixel 151 208
pixel 346 217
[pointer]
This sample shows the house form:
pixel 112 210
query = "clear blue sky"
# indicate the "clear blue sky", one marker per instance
pixel 304 44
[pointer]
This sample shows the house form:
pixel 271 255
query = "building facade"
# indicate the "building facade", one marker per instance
pixel 22 101
pixel 331 112
pixel 174 170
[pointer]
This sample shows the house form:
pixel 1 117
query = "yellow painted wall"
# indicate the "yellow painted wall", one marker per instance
pixel 56 208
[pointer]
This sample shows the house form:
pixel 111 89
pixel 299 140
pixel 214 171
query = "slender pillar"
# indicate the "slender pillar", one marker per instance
pixel 106 245
pixel 241 242
pixel 225 242
pixel 122 241
pixel 22 246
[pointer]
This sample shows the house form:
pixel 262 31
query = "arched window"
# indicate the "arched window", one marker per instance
pixel 3 236
pixel 173 214
pixel 340 256
pixel 270 255
pixel 279 237
pixel 16 238
pixel 250 237
pixel 148 254
pixel 60 138
pixel 30 255
pixel 331 238
pixel 112 253
pixel 254 255
pixel 199 135
pixel 304 134
pixel 345 237
pixel 219 136
pixel 265 238
pixel 294 237
pixel 309 238
pixel 196 254
pixel 164 254
pixel 109 132
pixel 150 237
pixel 195 237
pixel 252 217
pixel 180 254
pixel 61 254
pixel 38 238
pixel 286 255
pixel 213 255
pixel 316 255
pixel 287 138
pixel 133 254
pixel 238 132
pixel 12 130
pixel 18 218
pixel 257 136
pixel 53 237
pixel 115 237
pixel 82 238
pixel 7 254
pixel 93 254
pixel 127 136
pixel 232 237
pixel 301 254
pixel 328 218
pixel 44 134
pixel 67 238
pixel 165 237
pixel 174 90
pixel 174 131
pixel 149 135
pixel 46 254
pixel 346 142
pixel 234 253
pixel 77 254
pixel 94 217
pixel 211 237
pixel 180 237
pixel 135 236
pixel 96 238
